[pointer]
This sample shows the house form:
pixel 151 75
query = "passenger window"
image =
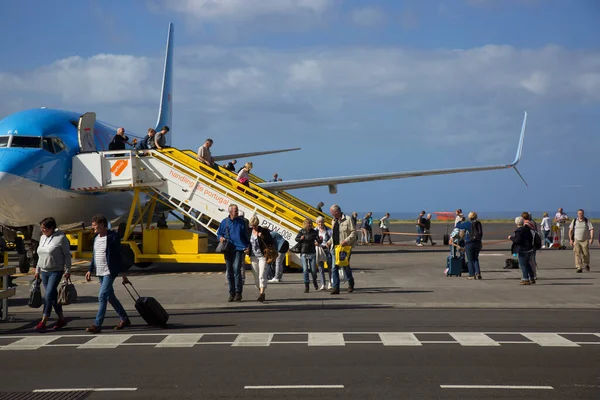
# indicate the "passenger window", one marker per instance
pixel 48 145
pixel 4 141
pixel 58 145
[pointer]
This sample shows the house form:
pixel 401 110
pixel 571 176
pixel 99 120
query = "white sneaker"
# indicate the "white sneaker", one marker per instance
pixel 329 286
pixel 420 244
pixel 274 280
pixel 544 246
pixel 322 287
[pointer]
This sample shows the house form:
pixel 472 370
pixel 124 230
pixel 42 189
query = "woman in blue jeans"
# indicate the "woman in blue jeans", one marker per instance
pixel 308 237
pixel 473 244
pixel 523 246
pixel 54 254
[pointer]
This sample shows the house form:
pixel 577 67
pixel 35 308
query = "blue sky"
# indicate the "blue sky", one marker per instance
pixel 361 86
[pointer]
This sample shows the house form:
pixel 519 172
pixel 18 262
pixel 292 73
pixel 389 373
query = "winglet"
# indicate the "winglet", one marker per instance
pixel 521 139
pixel 165 113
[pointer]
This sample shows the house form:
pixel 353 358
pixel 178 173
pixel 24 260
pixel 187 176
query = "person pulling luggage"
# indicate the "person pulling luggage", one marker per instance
pixel 106 261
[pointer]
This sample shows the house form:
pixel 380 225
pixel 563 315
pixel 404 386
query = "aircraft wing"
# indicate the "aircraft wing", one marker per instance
pixel 256 153
pixel 332 182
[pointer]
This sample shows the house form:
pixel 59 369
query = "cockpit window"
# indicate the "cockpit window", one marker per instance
pixel 26 141
pixel 58 145
pixel 4 141
pixel 48 145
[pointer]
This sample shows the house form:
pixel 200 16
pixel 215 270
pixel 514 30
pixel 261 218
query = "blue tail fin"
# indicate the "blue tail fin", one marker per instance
pixel 165 112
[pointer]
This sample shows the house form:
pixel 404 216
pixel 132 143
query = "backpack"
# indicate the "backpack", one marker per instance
pixel 476 231
pixel 585 221
pixel 537 240
pixel 112 144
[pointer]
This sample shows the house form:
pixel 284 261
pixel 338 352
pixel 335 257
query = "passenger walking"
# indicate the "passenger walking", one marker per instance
pixel 354 218
pixel 119 141
pixel 343 234
pixel 204 155
pixel 560 218
pixel 282 246
pixel 420 228
pixel 427 230
pixel 528 220
pixel 473 244
pixel 54 254
pixel 160 142
pixel 244 174
pixel 147 143
pixel 231 165
pixel 234 229
pixel 581 234
pixel 385 230
pixel 364 228
pixel 547 230
pixel 260 240
pixel 324 236
pixel 106 261
pixel 523 246
pixel 308 238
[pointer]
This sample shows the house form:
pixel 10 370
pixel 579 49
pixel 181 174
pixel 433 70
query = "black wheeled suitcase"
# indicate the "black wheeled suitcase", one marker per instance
pixel 149 308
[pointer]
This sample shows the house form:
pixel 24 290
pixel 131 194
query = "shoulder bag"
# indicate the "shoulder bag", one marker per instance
pixel 225 246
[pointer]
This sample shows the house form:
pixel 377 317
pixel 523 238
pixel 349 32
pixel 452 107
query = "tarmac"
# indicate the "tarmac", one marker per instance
pixel 401 275
pixel 407 332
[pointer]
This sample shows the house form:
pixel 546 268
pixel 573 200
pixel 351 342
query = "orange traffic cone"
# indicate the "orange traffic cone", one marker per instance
pixel 555 240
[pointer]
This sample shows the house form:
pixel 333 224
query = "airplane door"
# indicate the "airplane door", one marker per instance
pixel 85 132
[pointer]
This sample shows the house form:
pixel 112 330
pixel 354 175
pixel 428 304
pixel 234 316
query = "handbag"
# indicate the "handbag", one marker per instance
pixel 297 248
pixel 270 254
pixel 35 294
pixel 342 255
pixel 320 254
pixel 67 294
pixel 225 246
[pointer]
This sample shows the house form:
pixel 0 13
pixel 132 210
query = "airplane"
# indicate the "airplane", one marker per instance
pixel 37 147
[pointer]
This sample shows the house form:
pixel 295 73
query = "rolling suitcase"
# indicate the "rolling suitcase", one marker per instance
pixel 149 308
pixel 446 240
pixel 454 266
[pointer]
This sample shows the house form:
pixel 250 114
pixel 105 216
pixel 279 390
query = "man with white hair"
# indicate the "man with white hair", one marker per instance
pixel 343 234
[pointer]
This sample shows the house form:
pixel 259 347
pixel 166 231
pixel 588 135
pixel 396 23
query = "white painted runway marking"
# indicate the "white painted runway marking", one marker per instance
pixel 85 390
pixel 30 343
pixel 296 387
pixel 326 339
pixel 105 342
pixel 550 340
pixel 399 339
pixel 180 340
pixel 474 339
pixel 253 339
pixel 496 387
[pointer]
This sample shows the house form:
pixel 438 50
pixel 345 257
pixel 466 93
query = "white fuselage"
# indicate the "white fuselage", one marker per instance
pixel 24 202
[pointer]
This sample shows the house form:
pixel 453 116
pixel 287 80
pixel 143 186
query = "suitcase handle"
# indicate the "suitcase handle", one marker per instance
pixel 127 282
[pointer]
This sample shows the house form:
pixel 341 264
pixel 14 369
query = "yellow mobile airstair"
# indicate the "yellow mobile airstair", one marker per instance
pixel 177 179
pixel 283 196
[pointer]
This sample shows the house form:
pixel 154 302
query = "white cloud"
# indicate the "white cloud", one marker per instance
pixel 537 82
pixel 243 10
pixel 401 108
pixel 442 98
pixel 368 17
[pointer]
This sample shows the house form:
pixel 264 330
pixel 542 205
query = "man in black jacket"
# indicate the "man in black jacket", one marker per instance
pixel 106 261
